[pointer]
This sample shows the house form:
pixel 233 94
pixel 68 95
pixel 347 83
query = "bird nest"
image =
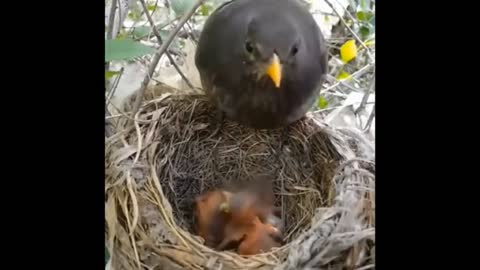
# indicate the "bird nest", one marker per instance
pixel 324 184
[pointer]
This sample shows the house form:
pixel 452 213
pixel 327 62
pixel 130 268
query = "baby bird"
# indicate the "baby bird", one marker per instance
pixel 211 216
pixel 252 217
pixel 245 218
pixel 260 238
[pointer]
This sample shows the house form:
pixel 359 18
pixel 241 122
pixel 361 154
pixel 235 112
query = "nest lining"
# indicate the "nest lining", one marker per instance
pixel 180 159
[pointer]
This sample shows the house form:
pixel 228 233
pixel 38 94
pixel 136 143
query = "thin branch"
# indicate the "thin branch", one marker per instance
pixel 158 55
pixel 120 21
pixel 370 120
pixel 367 95
pixel 347 12
pixel 351 31
pixel 134 25
pixel 168 23
pixel 126 115
pixel 159 39
pixel 357 73
pixel 114 86
pixel 180 71
pixel 336 107
pixel 324 13
pixel 348 85
pixel 370 266
pixel 109 127
pixel 113 116
pixel 191 33
pixel 111 19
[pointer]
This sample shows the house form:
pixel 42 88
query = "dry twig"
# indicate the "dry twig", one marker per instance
pixel 111 19
pixel 352 32
pixel 370 120
pixel 158 55
pixel 159 39
pixel 366 95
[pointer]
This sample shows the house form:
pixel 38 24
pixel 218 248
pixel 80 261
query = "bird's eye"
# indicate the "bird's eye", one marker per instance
pixel 248 47
pixel 294 50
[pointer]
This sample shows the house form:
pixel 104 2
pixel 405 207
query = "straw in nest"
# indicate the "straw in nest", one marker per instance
pixel 324 182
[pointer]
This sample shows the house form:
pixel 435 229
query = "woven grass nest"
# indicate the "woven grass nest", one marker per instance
pixel 324 182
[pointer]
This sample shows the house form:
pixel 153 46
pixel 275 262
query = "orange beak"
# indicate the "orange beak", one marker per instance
pixel 274 70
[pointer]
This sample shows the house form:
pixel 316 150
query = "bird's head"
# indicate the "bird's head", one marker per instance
pixel 269 50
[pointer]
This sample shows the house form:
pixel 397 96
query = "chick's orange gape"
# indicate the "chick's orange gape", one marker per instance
pixel 238 219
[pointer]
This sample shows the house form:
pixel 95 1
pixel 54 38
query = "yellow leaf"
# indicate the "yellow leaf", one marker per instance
pixel 343 76
pixel 322 102
pixel 348 51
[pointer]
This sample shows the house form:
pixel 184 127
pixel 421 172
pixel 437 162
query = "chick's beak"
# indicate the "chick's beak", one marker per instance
pixel 274 70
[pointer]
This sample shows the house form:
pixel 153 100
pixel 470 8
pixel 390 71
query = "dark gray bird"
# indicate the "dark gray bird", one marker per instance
pixel 262 62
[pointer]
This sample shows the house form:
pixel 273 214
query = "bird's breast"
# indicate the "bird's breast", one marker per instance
pixel 261 105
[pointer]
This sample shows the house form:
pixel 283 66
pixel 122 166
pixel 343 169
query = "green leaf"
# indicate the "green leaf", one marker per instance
pixel 366 31
pixel 364 15
pixel 205 10
pixel 322 103
pixel 109 74
pixel 151 7
pixel 343 75
pixel 122 34
pixel 134 15
pixel 141 31
pixel 125 49
pixel 180 7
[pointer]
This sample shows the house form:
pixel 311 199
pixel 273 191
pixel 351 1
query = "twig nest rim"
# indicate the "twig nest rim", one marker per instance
pixel 176 156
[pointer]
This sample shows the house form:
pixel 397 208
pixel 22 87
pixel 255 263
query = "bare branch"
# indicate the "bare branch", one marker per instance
pixel 111 19
pixel 357 73
pixel 109 127
pixel 367 95
pixel 180 71
pixel 370 120
pixel 158 55
pixel 159 39
pixel 120 20
pixel 114 86
pixel 351 31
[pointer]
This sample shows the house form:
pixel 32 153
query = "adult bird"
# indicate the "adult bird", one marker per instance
pixel 262 62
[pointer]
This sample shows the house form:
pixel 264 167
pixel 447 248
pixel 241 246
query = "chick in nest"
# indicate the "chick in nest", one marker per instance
pixel 257 197
pixel 252 220
pixel 211 216
pixel 251 224
pixel 245 218
pixel 260 238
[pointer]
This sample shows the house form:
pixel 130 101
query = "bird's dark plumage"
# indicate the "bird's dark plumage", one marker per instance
pixel 262 62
